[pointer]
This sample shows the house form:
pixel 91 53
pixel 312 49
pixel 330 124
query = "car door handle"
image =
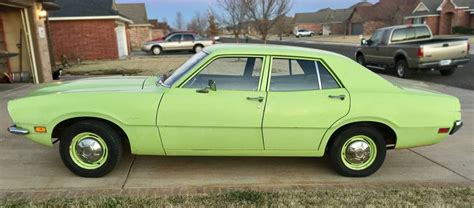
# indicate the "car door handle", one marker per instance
pixel 259 98
pixel 341 97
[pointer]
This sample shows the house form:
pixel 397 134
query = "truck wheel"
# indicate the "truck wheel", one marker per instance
pixel 402 69
pixel 358 152
pixel 90 148
pixel 361 60
pixel 156 50
pixel 447 72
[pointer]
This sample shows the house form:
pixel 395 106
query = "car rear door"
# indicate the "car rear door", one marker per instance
pixel 188 42
pixel 303 101
pixel 194 117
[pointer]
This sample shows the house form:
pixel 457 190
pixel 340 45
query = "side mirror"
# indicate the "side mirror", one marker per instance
pixel 211 86
pixel 363 41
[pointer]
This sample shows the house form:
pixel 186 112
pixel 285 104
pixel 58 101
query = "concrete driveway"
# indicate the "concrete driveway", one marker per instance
pixel 27 166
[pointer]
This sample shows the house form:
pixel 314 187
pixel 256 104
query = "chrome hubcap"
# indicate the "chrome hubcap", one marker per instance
pixel 358 152
pixel 156 51
pixel 89 150
pixel 198 49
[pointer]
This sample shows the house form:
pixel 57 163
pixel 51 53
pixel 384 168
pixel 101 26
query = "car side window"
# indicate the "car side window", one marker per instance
pixel 300 75
pixel 377 37
pixel 188 37
pixel 229 73
pixel 175 38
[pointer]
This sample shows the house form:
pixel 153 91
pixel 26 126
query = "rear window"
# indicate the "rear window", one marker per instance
pixel 410 34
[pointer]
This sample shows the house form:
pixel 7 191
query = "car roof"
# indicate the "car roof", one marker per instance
pixel 269 49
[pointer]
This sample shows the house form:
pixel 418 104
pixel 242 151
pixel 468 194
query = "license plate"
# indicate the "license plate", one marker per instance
pixel 445 62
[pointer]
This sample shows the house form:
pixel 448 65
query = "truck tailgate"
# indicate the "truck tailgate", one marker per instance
pixel 444 50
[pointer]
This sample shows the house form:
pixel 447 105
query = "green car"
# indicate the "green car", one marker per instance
pixel 238 100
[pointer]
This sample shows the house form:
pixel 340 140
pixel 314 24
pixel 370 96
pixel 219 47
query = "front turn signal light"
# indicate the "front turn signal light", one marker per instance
pixel 40 129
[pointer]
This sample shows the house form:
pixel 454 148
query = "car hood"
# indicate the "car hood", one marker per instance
pixel 100 84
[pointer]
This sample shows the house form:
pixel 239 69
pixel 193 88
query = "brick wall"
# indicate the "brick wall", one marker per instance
pixel 139 35
pixel 472 20
pixel 309 26
pixel 84 39
pixel 338 28
pixel 433 23
pixel 371 26
pixel 158 33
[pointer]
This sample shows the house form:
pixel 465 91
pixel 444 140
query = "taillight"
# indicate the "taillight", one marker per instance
pixel 443 130
pixel 420 53
pixel 468 47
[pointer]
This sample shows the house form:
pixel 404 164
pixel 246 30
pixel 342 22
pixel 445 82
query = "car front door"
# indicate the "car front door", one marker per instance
pixel 304 100
pixel 172 43
pixel 225 116
pixel 372 54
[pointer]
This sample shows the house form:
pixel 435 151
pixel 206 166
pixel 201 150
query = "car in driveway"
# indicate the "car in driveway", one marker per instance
pixel 412 47
pixel 303 32
pixel 177 41
pixel 238 100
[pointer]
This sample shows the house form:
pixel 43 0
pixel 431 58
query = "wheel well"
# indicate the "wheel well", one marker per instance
pixel 59 128
pixel 198 45
pixel 156 46
pixel 359 54
pixel 387 132
pixel 399 57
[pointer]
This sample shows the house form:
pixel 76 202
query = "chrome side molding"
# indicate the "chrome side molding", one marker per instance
pixel 17 130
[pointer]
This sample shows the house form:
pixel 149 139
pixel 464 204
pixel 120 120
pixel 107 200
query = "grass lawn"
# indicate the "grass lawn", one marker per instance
pixel 392 197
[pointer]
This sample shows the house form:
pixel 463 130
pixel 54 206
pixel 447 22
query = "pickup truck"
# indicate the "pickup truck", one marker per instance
pixel 412 47
pixel 178 41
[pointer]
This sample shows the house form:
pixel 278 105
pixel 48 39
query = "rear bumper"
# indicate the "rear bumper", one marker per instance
pixel 436 64
pixel 17 130
pixel 457 125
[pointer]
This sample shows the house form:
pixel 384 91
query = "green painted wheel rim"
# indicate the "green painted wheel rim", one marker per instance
pixel 79 160
pixel 355 140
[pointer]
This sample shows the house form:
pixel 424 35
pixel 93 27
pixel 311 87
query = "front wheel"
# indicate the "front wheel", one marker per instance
pixel 156 50
pixel 358 152
pixel 197 48
pixel 90 148
pixel 447 72
pixel 361 60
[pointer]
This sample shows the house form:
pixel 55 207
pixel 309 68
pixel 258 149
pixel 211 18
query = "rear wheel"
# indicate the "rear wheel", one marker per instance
pixel 402 69
pixel 447 72
pixel 90 148
pixel 358 152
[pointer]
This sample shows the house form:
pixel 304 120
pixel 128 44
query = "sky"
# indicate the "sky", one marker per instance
pixel 159 9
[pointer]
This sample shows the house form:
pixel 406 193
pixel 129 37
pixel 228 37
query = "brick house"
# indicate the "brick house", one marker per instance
pixel 326 21
pixel 442 15
pixel 89 30
pixel 141 30
pixel 159 29
pixel 24 44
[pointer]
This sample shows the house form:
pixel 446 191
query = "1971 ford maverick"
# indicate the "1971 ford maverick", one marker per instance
pixel 238 100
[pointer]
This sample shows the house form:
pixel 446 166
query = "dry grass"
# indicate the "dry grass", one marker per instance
pixel 152 65
pixel 363 197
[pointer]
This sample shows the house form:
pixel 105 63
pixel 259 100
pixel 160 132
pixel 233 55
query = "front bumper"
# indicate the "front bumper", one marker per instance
pixel 146 48
pixel 437 64
pixel 457 125
pixel 18 130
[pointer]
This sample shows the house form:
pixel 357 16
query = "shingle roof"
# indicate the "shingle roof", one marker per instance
pixel 136 12
pixel 328 15
pixel 433 5
pixel 73 8
pixel 385 10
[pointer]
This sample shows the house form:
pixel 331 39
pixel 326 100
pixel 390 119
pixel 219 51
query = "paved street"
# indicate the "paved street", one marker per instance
pixel 27 166
pixel 463 78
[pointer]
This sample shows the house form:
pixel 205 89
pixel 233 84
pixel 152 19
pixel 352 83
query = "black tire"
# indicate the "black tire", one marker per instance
pixel 156 50
pixel 197 48
pixel 447 72
pixel 299 36
pixel 361 60
pixel 376 161
pixel 108 134
pixel 402 70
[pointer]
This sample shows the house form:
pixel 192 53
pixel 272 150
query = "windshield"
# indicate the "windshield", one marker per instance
pixel 183 69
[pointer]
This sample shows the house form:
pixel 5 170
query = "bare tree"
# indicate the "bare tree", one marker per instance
pixel 179 21
pixel 265 14
pixel 234 15
pixel 213 28
pixel 283 25
pixel 198 24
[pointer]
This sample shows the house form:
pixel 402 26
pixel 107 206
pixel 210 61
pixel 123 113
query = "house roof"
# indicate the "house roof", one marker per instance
pixel 76 8
pixel 136 12
pixel 385 10
pixel 328 15
pixel 433 5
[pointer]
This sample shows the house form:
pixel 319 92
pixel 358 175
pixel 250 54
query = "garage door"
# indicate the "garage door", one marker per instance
pixel 326 29
pixel 121 40
pixel 356 29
